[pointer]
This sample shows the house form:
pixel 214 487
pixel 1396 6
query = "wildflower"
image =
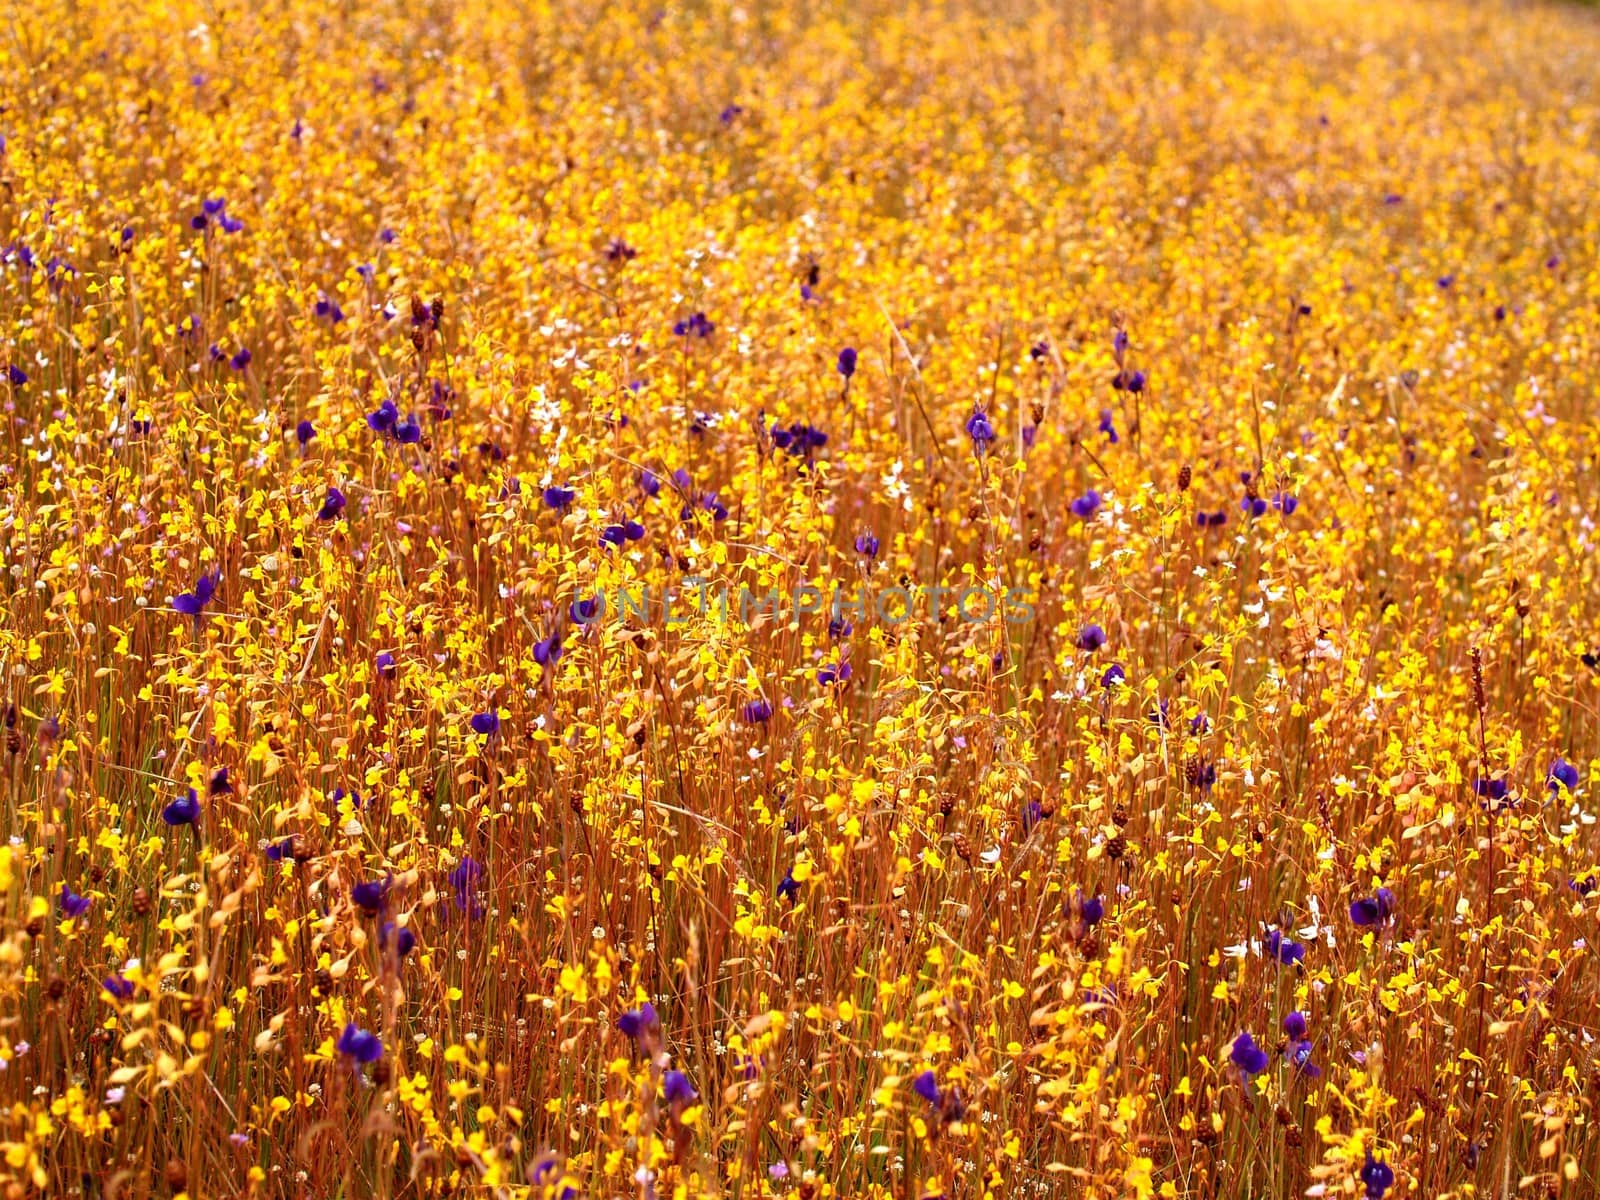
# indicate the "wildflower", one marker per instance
pixel 1088 911
pixel 1032 814
pixel 1128 381
pixel 730 114
pixel 463 879
pixel 1285 951
pixel 357 1044
pixel 677 1090
pixel 241 359
pixel 405 941
pixel 71 904
pixel 789 888
pixel 1563 775
pixel 1108 426
pixel 1253 506
pixel 867 545
pixel 1086 505
pixel 185 810
pixel 1299 1055
pixel 847 362
pixel 16 375
pixel 834 673
pixel 559 498
pixel 382 419
pixel 1250 1058
pixel 1212 520
pixel 926 1085
pixel 371 895
pixel 328 310
pixel 1158 714
pixel 980 431
pixel 695 325
pixel 1113 676
pixel 583 612
pixel 1285 503
pixel 618 251
pixel 118 986
pixel 332 505
pixel 408 432
pixel 304 432
pixel 649 483
pixel 1295 1025
pixel 1091 638
pixel 639 1023
pixel 1039 351
pixel 1375 909
pixel 281 849
pixel 547 651
pixel 486 723
pixel 385 664
pixel 756 712
pixel 192 604
pixel 1377 1176
pixel 220 784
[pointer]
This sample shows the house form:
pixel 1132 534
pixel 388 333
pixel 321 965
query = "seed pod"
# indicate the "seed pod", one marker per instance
pixel 963 848
pixel 177 1175
pixel 1185 477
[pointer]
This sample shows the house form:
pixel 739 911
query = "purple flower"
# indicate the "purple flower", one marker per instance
pixel 620 252
pixel 694 326
pixel 371 895
pixel 1253 506
pixel 1298 1052
pixel 1113 676
pixel 547 651
pixel 16 375
pixel 756 712
pixel 1374 910
pixel 1091 909
pixel 383 418
pixel 1377 1176
pixel 1563 774
pixel 1039 351
pixel 834 673
pixel 71 904
pixel 649 483
pixel 185 810
pixel 867 545
pixel 220 784
pixel 1285 503
pixel 486 723
pixel 1086 505
pixel 730 114
pixel 677 1090
pixel 585 612
pixel 1108 427
pixel 1250 1058
pixel 1032 814
pixel 192 604
pixel 1285 951
pixel 980 431
pixel 356 1043
pixel 1128 381
pixel 1091 637
pixel 408 432
pixel 638 1023
pixel 463 879
pixel 332 506
pixel 328 310
pixel 404 940
pixel 1212 520
pixel 1295 1025
pixel 559 498
pixel 847 361
pixel 789 888
pixel 281 849
pixel 926 1085
pixel 304 432
pixel 240 360
pixel 118 986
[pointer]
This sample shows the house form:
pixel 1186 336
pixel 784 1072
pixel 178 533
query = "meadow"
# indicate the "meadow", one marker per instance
pixel 683 599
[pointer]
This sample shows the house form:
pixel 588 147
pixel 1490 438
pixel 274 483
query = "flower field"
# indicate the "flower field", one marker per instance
pixel 906 602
